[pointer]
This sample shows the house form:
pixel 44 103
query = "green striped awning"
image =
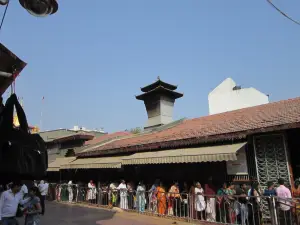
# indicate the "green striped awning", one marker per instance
pixel 186 155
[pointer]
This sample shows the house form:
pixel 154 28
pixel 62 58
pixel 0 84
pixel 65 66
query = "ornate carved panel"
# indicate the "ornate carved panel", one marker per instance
pixel 271 158
pixel 271 161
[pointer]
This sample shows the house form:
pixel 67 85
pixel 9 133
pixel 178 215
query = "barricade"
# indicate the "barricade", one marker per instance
pixel 195 208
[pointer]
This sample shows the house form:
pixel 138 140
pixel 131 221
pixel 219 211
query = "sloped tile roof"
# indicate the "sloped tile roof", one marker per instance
pixel 224 126
pixel 107 137
pixel 103 140
pixel 76 136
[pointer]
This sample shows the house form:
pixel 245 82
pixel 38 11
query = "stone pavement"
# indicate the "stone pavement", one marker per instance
pixel 63 214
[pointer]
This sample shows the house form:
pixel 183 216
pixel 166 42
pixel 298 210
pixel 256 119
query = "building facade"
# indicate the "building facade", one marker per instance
pixel 255 143
pixel 66 142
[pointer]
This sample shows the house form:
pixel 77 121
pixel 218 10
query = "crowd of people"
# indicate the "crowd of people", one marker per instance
pixel 231 203
pixel 22 199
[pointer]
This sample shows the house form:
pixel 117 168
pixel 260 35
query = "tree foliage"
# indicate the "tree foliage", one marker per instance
pixel 136 130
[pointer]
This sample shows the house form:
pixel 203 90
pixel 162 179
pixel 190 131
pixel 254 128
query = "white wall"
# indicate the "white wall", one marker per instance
pixel 162 113
pixel 223 98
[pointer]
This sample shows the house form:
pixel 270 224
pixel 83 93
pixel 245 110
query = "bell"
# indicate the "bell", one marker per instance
pixel 40 8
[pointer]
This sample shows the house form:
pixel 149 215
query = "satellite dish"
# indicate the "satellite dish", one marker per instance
pixel 39 8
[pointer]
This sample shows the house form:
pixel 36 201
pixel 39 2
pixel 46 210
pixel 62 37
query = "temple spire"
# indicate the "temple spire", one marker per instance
pixel 159 98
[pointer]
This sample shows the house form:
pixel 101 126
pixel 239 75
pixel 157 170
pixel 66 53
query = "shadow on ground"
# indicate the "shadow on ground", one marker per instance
pixel 62 214
pixel 65 214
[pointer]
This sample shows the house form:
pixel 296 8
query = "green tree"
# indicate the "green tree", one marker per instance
pixel 70 153
pixel 136 130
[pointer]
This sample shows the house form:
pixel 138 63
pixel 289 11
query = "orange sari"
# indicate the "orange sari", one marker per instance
pixel 296 194
pixel 162 200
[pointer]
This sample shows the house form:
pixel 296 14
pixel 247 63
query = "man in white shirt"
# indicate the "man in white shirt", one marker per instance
pixel 123 195
pixel 24 190
pixel 43 187
pixel 9 202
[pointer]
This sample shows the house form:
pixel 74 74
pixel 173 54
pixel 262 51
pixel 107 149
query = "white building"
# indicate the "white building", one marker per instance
pixel 78 128
pixel 227 96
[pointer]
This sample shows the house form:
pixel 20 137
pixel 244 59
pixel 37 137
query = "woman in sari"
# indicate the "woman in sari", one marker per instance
pixel 231 203
pixel 200 203
pixel 296 194
pixel 255 212
pixel 152 197
pixel 221 203
pixel 161 199
pixel 174 200
pixel 112 194
pixel 192 209
pixel 58 192
pixel 33 208
pixel 140 196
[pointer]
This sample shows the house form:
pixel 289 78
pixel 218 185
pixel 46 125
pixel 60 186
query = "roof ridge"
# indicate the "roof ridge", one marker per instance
pixel 158 87
pixel 122 133
pixel 247 108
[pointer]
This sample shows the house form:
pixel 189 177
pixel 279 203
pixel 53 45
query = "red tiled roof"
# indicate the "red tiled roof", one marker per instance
pixel 108 137
pixel 77 136
pixel 224 126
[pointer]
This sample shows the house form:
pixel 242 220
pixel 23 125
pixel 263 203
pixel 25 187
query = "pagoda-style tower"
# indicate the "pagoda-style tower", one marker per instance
pixel 159 98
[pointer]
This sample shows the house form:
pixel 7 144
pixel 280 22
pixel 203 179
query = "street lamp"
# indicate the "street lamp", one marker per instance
pixel 4 2
pixel 39 8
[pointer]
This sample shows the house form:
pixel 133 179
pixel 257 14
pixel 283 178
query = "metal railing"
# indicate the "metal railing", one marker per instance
pixel 225 209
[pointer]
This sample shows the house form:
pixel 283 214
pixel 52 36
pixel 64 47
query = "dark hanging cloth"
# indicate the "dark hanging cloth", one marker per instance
pixel 64 193
pixel 74 193
pixel 22 155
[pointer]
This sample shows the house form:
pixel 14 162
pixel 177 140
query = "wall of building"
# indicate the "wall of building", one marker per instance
pixel 57 150
pixel 167 107
pixel 224 98
pixel 160 111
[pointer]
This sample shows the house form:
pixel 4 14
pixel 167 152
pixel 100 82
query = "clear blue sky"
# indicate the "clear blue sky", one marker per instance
pixel 90 59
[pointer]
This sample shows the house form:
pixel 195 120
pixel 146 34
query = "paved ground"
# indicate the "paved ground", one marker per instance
pixel 62 214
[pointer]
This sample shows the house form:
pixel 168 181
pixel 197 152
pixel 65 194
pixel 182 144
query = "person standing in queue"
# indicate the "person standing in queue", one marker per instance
pixel 285 203
pixel 70 190
pixel 43 188
pixel 24 190
pixel 210 191
pixel 33 207
pixel 9 203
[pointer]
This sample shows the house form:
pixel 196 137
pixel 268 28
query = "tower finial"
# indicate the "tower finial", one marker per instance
pixel 158 78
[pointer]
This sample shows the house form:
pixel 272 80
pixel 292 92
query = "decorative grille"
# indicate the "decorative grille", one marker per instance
pixel 271 161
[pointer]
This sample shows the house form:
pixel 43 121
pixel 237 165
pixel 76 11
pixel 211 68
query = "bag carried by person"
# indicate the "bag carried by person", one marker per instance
pixel 20 212
pixel 21 154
